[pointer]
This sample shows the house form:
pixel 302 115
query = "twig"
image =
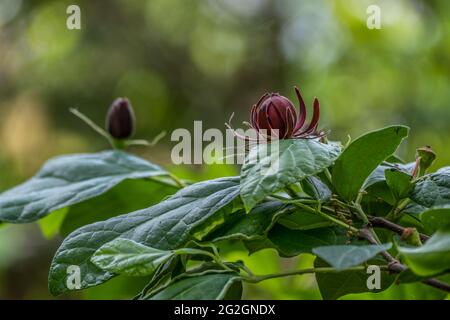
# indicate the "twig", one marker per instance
pixel 92 124
pixel 386 224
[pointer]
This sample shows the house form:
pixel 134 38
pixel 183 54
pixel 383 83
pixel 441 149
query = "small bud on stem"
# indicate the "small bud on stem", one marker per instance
pixel 120 119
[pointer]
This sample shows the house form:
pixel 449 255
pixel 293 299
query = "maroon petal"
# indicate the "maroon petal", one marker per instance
pixel 261 115
pixel 302 113
pixel 315 118
pixel 290 123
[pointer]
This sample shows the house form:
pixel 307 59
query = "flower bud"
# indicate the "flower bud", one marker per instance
pixel 120 119
pixel 274 112
pixel 276 115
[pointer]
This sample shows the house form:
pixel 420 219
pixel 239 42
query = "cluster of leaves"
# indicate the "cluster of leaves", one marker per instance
pixel 350 207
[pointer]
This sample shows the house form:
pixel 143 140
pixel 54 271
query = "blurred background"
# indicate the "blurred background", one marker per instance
pixel 185 60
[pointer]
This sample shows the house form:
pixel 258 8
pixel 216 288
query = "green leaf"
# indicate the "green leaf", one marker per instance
pixel 165 226
pixel 433 189
pixel 432 258
pixel 337 284
pixel 362 157
pixel 252 225
pixel 208 286
pixel 290 243
pixel 268 169
pixel 123 256
pixel 127 196
pixel 399 183
pixel 344 257
pixel 67 180
pixel 436 218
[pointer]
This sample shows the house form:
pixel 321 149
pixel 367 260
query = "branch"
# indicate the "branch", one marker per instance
pixel 395 266
pixel 386 224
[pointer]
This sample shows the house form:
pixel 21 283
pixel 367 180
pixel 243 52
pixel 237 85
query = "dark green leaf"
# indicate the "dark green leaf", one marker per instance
pixel 165 226
pixel 432 258
pixel 362 157
pixel 67 180
pixel 433 189
pixel 268 169
pixel 208 286
pixel 344 257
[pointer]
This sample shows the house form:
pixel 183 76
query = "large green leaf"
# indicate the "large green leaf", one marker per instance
pixel 269 168
pixel 128 196
pixel 208 286
pixel 432 258
pixel 124 256
pixel 436 218
pixel 362 157
pixel 67 180
pixel 344 257
pixel 165 226
pixel 290 243
pixel 433 189
pixel 334 285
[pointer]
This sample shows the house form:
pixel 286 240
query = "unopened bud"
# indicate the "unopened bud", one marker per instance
pixel 412 236
pixel 120 119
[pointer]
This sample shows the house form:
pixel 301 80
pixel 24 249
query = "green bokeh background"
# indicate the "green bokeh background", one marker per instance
pixel 185 60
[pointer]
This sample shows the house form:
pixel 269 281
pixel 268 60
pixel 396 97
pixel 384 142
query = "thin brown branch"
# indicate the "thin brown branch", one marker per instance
pixel 395 266
pixel 380 222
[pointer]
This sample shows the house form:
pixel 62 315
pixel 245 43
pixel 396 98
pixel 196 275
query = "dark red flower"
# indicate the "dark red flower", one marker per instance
pixel 274 114
pixel 120 119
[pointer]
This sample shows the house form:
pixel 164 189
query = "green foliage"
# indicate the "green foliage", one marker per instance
pixel 175 236
pixel 167 225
